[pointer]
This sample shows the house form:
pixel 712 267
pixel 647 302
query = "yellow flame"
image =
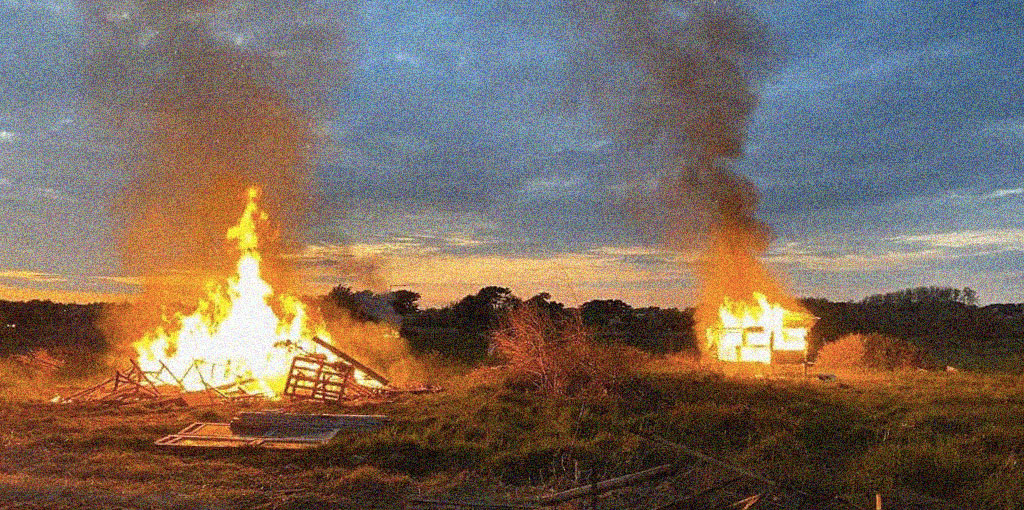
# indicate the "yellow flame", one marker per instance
pixel 234 334
pixel 752 331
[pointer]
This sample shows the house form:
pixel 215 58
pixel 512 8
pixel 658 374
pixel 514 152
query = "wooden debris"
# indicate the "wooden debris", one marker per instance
pixel 441 504
pixel 220 435
pixel 748 502
pixel 125 387
pixel 690 500
pixel 773 486
pixel 607 485
pixel 271 429
pixel 711 460
pixel 589 490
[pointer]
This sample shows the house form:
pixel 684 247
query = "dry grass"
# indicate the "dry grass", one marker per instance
pixel 911 435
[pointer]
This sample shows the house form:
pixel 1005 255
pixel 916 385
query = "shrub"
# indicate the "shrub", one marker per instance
pixel 555 354
pixel 846 352
pixel 873 350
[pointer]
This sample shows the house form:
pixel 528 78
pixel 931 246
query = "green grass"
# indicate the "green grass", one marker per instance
pixel 911 436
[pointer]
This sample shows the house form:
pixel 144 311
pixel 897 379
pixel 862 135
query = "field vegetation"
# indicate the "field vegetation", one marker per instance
pixel 926 438
pixel 560 401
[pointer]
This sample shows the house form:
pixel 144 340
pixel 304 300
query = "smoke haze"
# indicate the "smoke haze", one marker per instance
pixel 698 67
pixel 218 96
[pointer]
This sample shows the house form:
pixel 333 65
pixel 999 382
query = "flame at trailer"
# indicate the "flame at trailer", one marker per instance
pixel 757 330
pixel 241 330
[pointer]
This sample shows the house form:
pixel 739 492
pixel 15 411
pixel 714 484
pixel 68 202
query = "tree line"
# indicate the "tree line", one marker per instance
pixel 932 317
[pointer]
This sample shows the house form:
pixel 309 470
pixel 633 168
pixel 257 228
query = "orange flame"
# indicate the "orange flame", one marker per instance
pixel 755 331
pixel 235 334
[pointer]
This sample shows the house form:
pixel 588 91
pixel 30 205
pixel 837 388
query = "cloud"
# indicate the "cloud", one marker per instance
pixel 128 281
pixel 904 252
pixel 1001 193
pixel 32 276
pixel 991 239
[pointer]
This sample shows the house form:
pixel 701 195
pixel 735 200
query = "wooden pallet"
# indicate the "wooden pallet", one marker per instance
pixel 313 378
pixel 220 435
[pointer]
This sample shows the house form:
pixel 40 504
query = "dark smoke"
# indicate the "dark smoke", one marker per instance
pixel 216 96
pixel 697 66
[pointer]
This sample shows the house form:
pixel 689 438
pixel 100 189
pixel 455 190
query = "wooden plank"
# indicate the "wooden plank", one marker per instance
pixel 711 460
pixel 607 485
pixel 352 361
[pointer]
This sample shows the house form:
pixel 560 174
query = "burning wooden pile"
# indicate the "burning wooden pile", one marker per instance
pixel 132 385
pixel 245 340
pixel 311 378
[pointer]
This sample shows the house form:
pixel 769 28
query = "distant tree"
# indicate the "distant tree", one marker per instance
pixel 63 329
pixel 463 329
pixel 354 302
pixel 543 304
pixel 405 302
pixel 482 311
pixel 919 295
pixel 601 312
pixel 934 318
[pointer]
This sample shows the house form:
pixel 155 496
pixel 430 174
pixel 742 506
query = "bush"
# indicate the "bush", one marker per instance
pixel 557 355
pixel 874 350
pixel 846 352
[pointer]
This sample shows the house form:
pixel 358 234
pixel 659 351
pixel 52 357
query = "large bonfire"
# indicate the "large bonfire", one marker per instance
pixel 242 332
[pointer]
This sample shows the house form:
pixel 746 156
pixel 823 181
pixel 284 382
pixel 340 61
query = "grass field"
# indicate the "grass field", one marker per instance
pixel 930 439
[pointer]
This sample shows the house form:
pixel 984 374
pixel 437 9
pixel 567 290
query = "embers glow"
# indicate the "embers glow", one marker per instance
pixel 235 335
pixel 757 331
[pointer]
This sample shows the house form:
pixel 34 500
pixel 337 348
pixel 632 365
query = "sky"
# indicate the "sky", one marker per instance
pixel 460 151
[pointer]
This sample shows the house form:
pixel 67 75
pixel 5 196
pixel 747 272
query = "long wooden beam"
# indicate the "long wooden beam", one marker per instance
pixel 711 460
pixel 352 361
pixel 741 471
pixel 607 485
pixel 440 504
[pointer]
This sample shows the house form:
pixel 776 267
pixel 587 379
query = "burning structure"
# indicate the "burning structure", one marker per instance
pixel 243 332
pixel 221 103
pixel 765 333
pixel 687 117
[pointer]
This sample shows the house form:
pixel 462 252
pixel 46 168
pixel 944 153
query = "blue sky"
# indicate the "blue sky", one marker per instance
pixel 461 152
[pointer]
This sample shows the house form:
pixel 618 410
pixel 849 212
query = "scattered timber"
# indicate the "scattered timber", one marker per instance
pixel 711 460
pixel 441 504
pixel 125 387
pixel 607 485
pixel 274 429
pixel 773 486
pixel 589 490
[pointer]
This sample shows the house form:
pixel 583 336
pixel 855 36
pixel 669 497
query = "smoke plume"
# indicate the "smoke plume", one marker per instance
pixel 215 96
pixel 695 91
